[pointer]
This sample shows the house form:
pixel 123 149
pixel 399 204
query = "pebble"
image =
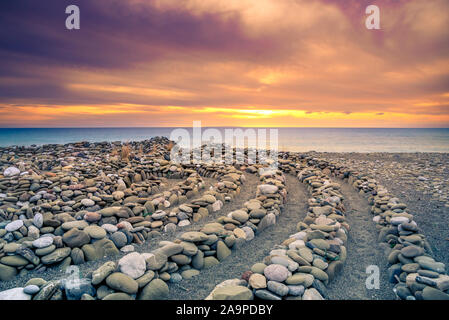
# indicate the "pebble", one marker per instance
pixel 109 227
pixel 430 293
pixel 11 171
pixel 104 271
pixel 93 217
pixel 14 226
pixel 232 292
pixel 296 290
pixel 128 248
pixel 188 274
pixel 75 238
pixel 87 202
pixel 119 239
pixel 412 251
pixel 14 294
pixel 95 232
pixel 398 220
pixel 122 282
pixel 240 215
pixel 432 265
pixel 258 267
pixel 306 254
pixel 194 236
pixel 222 251
pixel 43 242
pixel 31 289
pixel 304 279
pixel 277 288
pixel 133 265
pixel 257 281
pixel 312 294
pixel 266 295
pixel 155 290
pixel 38 220
pixel 276 272
pixel 267 189
pixel 56 256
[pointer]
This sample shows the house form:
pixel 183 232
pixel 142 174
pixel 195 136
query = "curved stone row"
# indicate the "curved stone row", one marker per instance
pixel 413 269
pixel 133 221
pixel 301 267
pixel 144 276
pixel 227 188
pixel 45 238
pixel 81 214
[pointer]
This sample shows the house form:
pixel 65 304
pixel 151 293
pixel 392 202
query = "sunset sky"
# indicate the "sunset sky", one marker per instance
pixel 268 63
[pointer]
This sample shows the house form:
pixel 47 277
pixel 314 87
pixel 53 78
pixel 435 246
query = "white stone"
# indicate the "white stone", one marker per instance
pixel 170 227
pixel 128 248
pixel 109 227
pixel 87 202
pixel 11 171
pixel 267 188
pixel 183 223
pixel 14 294
pixel 398 220
pixel 296 244
pixel 217 205
pixel 38 220
pixel 13 226
pixel 133 265
pixel 312 294
pixel 276 272
pixel 121 185
pixel 278 252
pixel 249 233
pixel 159 214
pixel 43 242
pixel 125 225
pixel 299 235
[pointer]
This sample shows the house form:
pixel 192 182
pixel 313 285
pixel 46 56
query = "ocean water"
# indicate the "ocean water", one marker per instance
pixel 292 139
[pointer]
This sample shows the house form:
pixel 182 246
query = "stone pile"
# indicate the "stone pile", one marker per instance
pixel 260 212
pixel 75 212
pixel 227 188
pixel 301 267
pixel 144 276
pixel 413 269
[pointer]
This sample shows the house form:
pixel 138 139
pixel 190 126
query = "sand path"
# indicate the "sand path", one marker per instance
pixel 363 251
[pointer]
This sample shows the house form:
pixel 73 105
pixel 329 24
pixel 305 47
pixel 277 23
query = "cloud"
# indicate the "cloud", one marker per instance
pixel 297 58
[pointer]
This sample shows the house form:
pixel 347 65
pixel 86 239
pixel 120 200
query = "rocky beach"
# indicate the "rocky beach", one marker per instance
pixel 113 220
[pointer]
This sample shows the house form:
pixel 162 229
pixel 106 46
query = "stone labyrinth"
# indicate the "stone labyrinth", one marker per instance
pixel 115 221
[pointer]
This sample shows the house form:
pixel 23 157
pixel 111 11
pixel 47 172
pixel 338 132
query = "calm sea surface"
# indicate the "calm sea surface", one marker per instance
pixel 293 139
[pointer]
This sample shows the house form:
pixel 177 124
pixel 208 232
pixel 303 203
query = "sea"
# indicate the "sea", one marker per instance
pixel 363 140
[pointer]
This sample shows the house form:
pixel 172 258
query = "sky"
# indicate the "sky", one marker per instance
pixel 250 63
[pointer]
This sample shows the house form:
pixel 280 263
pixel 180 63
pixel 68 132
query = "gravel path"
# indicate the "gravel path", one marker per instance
pixel 251 252
pixel 363 250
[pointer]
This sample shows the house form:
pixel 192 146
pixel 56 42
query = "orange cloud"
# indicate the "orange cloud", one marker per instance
pixel 233 62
